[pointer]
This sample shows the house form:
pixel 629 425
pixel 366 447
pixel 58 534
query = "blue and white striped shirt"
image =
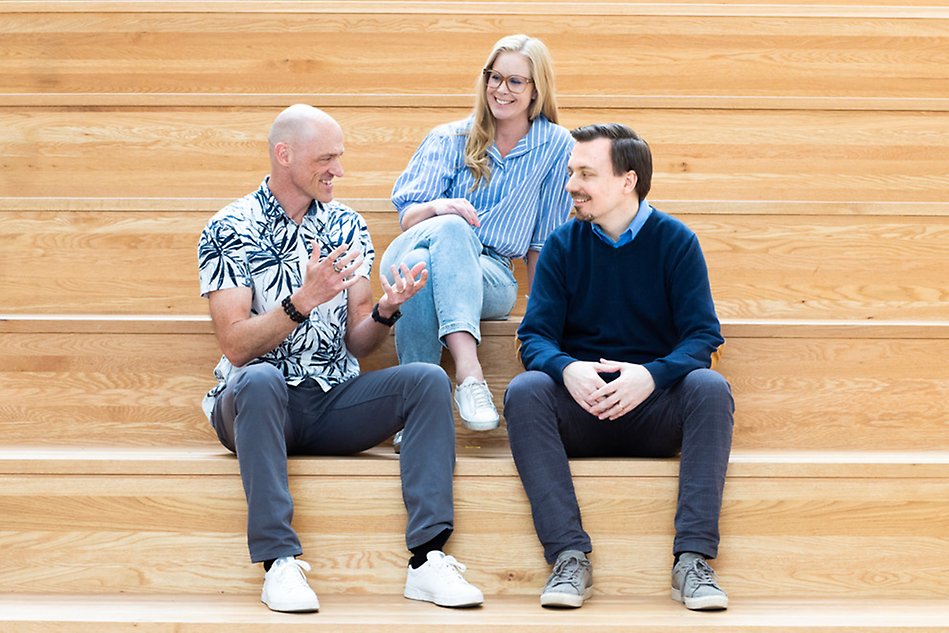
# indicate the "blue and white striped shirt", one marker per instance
pixel 523 201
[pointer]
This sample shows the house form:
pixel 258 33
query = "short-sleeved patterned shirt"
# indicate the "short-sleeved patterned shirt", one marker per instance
pixel 252 243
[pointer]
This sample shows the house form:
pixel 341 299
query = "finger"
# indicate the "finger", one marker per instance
pixel 417 270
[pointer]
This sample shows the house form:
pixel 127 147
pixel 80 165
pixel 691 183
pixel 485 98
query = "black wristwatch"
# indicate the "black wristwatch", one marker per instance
pixel 378 318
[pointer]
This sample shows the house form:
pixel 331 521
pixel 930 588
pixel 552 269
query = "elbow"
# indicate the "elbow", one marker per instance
pixel 234 354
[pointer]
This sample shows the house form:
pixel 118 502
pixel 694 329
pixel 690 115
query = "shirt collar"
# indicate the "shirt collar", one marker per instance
pixel 536 136
pixel 271 206
pixel 631 231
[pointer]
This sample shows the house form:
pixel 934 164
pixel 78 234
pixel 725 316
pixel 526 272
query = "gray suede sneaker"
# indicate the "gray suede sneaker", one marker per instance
pixel 570 582
pixel 695 585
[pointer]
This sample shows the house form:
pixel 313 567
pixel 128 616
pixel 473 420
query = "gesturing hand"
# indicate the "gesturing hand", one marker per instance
pixel 405 283
pixel 327 277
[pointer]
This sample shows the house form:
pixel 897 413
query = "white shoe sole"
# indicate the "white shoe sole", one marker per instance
pixel 457 602
pixel 706 603
pixel 481 425
pixel 292 607
pixel 566 600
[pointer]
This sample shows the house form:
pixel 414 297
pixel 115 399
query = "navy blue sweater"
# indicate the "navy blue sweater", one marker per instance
pixel 647 302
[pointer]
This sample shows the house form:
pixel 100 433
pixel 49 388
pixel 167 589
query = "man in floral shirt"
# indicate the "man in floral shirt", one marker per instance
pixel 286 273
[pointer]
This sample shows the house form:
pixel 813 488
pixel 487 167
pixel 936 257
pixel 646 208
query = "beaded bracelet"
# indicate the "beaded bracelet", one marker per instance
pixel 292 311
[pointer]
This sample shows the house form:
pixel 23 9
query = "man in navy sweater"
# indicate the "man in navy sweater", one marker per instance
pixel 617 341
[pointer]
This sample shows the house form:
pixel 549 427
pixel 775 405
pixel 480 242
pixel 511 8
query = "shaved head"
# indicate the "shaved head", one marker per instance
pixel 305 149
pixel 299 124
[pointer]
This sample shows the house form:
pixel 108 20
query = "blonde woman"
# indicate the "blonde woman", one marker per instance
pixel 476 194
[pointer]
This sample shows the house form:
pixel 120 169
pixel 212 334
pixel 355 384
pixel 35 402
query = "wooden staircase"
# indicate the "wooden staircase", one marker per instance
pixel 804 141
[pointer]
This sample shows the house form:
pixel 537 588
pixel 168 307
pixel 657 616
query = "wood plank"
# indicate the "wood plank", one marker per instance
pixel 160 461
pixel 743 155
pixel 767 265
pixel 839 537
pixel 699 207
pixel 84 613
pixel 601 102
pixel 868 51
pixel 845 392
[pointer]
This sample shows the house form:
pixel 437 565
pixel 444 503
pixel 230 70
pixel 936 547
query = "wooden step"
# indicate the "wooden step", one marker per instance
pixel 138 381
pixel 758 154
pixel 393 614
pixel 822 524
pixel 169 53
pixel 766 259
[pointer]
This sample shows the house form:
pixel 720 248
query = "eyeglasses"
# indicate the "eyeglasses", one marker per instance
pixel 515 83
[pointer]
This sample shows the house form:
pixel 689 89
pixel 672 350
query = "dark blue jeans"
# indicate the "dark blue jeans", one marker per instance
pixel 263 420
pixel 546 426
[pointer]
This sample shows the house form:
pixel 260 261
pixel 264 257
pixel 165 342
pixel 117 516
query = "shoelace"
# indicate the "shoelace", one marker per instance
pixel 480 395
pixel 298 578
pixel 566 571
pixel 453 567
pixel 703 574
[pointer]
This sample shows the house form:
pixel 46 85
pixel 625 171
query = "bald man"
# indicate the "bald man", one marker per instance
pixel 286 273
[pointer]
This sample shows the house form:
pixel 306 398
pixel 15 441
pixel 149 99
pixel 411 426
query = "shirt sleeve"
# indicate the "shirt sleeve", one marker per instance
pixel 365 247
pixel 697 325
pixel 222 258
pixel 429 174
pixel 555 203
pixel 541 329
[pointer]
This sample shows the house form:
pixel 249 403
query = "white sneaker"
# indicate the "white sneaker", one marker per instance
pixel 440 581
pixel 286 588
pixel 475 405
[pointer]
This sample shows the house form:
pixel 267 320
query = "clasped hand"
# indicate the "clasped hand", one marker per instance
pixel 608 400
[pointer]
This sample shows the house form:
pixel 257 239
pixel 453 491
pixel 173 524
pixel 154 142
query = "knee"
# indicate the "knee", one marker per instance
pixel 431 378
pixel 710 389
pixel 410 259
pixel 259 382
pixel 455 230
pixel 525 394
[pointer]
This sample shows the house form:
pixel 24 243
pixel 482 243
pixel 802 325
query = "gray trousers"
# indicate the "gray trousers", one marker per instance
pixel 546 426
pixel 263 420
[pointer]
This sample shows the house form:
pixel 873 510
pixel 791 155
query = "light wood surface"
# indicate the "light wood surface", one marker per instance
pixel 761 265
pixel 273 48
pixel 846 390
pixel 804 141
pixel 140 533
pixel 33 613
pixel 708 154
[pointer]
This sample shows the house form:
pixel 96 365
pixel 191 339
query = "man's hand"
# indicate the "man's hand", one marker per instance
pixel 325 278
pixel 608 400
pixel 582 381
pixel 403 287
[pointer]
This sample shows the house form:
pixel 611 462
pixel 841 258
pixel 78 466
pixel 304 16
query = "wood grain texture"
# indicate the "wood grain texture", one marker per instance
pixel 158 535
pixel 691 49
pixel 83 613
pixel 853 393
pixel 760 265
pixel 709 154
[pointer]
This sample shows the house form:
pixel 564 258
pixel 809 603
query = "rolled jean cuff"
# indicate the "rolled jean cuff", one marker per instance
pixel 444 329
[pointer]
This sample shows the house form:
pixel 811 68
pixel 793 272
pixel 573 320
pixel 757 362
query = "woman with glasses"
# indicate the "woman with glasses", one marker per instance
pixel 476 194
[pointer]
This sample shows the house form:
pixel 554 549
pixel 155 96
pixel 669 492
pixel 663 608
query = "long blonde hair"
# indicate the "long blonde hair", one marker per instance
pixel 483 126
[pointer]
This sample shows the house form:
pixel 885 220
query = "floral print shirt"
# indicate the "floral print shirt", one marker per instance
pixel 252 243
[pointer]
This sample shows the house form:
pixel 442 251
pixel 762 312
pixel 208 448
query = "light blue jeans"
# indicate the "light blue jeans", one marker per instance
pixel 466 283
